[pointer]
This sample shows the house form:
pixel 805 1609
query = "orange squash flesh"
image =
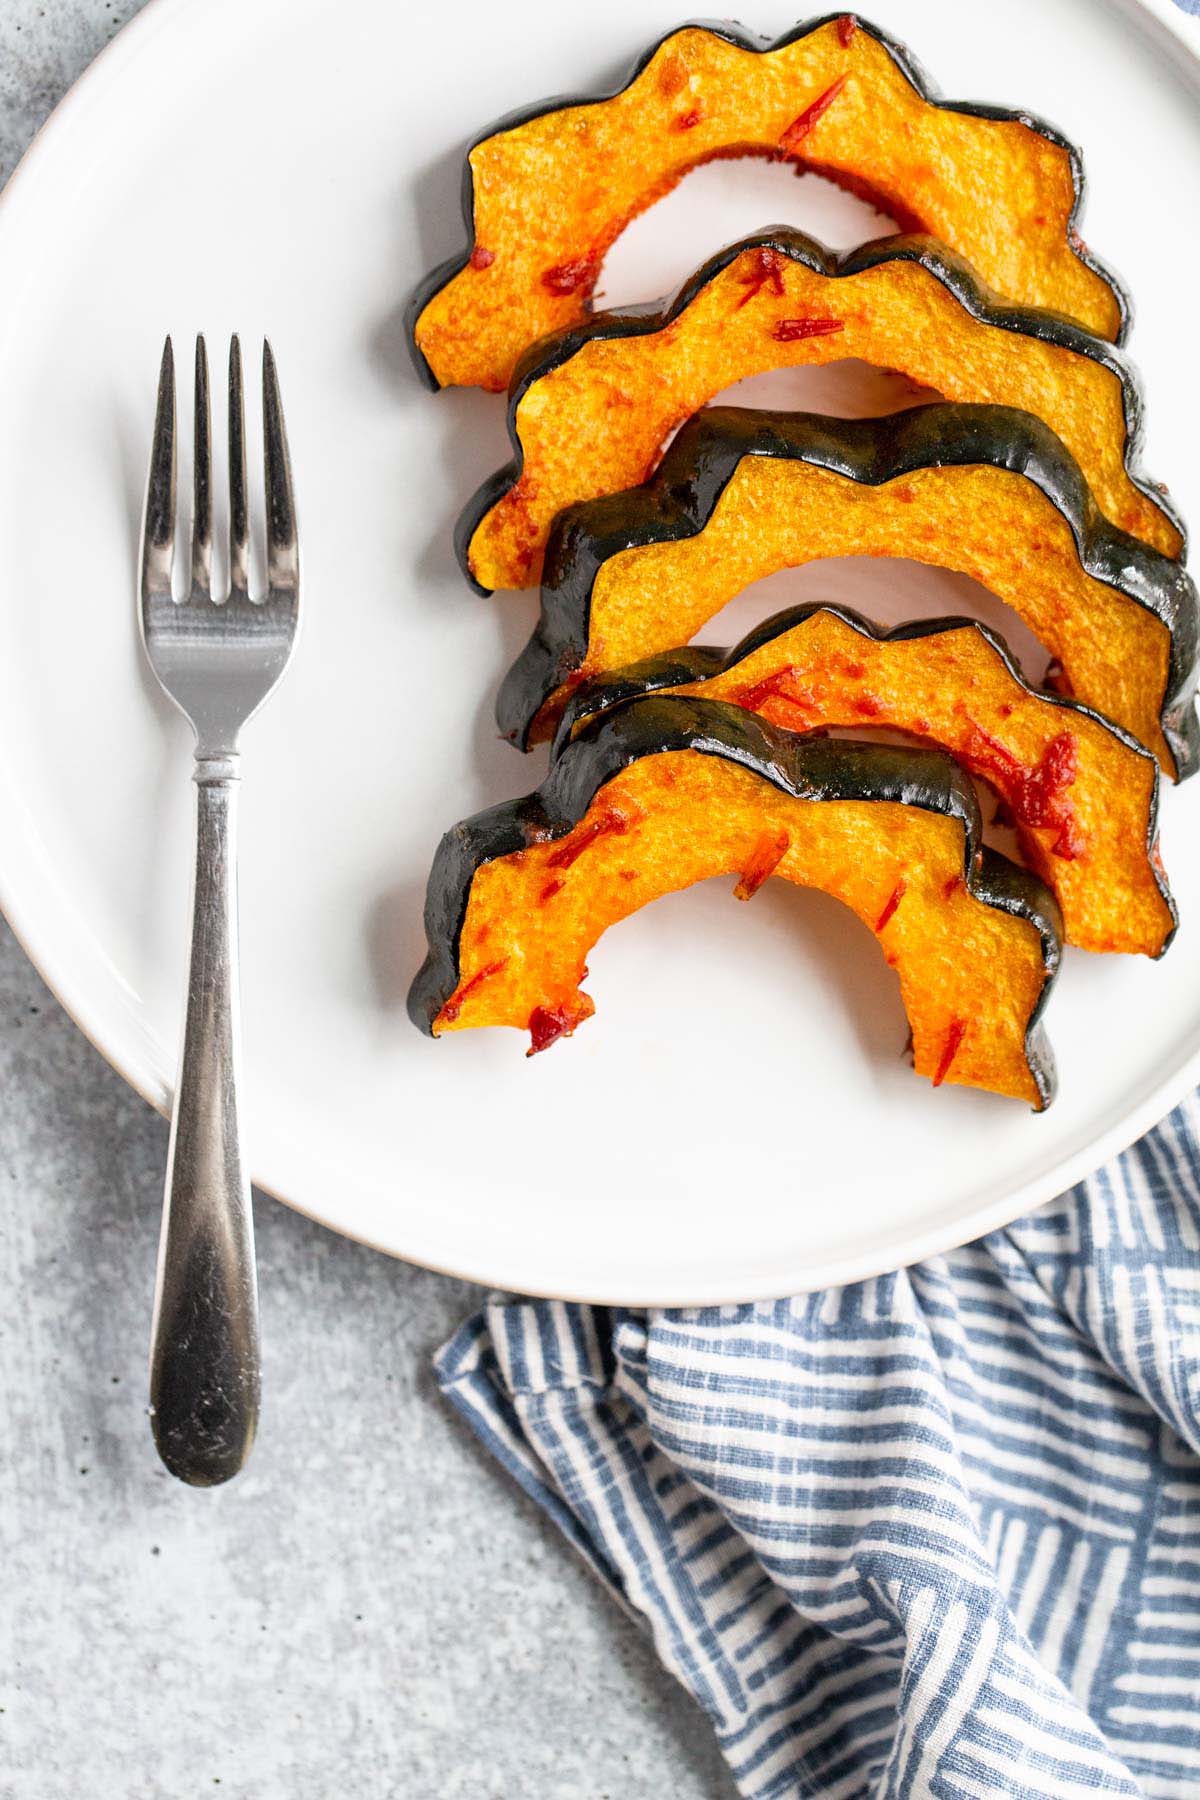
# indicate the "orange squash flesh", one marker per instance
pixel 594 419
pixel 971 975
pixel 1083 800
pixel 987 522
pixel 552 192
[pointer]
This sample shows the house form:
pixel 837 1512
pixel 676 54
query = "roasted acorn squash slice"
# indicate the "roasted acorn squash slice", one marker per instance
pixel 590 409
pixel 1082 797
pixel 665 792
pixel 546 191
pixel 981 489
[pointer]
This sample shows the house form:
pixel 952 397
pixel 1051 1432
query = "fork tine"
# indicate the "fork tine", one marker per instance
pixel 239 528
pixel 202 481
pixel 283 561
pixel 158 526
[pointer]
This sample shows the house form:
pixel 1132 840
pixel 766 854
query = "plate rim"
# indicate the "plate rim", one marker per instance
pixel 877 1260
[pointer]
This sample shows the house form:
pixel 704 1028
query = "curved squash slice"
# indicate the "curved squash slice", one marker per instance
pixel 1083 798
pixel 665 792
pixel 546 191
pixel 590 409
pixel 980 489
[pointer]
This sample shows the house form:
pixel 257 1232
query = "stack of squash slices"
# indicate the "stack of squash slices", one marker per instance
pixel 673 762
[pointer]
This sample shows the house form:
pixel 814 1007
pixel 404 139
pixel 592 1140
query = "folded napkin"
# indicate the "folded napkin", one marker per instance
pixel 936 1534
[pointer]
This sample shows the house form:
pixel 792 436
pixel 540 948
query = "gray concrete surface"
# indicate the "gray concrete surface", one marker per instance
pixel 371 1610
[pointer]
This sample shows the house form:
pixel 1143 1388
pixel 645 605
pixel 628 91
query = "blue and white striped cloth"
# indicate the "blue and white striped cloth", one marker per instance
pixel 934 1536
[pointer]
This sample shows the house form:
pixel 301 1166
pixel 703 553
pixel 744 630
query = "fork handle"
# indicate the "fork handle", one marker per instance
pixel 205 1357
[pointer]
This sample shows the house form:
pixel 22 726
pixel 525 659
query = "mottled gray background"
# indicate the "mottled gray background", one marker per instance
pixel 372 1610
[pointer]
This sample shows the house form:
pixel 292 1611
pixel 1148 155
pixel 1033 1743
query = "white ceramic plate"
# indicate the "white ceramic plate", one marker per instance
pixel 738 1119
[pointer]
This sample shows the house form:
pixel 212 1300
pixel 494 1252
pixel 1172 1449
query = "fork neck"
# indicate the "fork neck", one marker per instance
pixel 221 770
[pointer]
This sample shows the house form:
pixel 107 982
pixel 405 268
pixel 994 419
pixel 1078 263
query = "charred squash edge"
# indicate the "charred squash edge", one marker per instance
pixel 700 662
pixel 680 498
pixel 735 34
pixel 955 274
pixel 803 767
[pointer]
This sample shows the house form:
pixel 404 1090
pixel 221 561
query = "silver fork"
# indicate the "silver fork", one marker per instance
pixel 218 661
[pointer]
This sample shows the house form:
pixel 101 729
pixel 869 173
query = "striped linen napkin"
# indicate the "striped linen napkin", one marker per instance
pixel 932 1535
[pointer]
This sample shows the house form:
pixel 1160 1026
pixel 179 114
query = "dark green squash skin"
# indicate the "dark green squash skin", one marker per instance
pixel 736 34
pixel 681 497
pixel 956 275
pixel 675 668
pixel 806 767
